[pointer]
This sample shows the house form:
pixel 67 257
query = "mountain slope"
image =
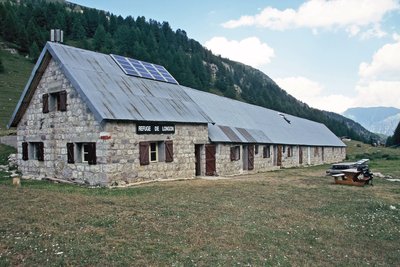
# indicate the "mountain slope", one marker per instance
pixel 382 120
pixel 27 25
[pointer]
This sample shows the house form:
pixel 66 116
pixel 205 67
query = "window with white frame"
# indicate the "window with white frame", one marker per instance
pixel 84 152
pixel 153 152
pixel 33 150
pixel 159 151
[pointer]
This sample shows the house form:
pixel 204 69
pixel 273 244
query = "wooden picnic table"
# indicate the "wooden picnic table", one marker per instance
pixel 349 177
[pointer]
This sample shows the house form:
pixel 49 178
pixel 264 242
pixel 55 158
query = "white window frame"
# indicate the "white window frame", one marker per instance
pixel 84 153
pixel 153 151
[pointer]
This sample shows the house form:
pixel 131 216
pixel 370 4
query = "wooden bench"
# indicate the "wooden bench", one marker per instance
pixel 337 176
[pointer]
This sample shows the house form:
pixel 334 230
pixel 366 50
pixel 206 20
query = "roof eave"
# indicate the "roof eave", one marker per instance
pixel 27 94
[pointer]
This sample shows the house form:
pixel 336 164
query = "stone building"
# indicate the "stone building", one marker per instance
pixel 103 119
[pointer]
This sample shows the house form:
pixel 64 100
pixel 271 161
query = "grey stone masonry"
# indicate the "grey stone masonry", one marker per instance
pixel 309 156
pixel 117 157
pixel 64 137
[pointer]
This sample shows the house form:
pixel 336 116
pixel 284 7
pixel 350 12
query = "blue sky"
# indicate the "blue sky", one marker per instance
pixel 330 54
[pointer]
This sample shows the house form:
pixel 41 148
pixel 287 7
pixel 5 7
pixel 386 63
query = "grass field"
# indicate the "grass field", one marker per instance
pixel 12 83
pixel 287 217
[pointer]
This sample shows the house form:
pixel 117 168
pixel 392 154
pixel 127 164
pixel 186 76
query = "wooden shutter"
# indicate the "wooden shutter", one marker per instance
pixel 45 102
pixel 92 154
pixel 70 152
pixel 40 155
pixel 144 153
pixel 25 151
pixel 210 160
pixel 169 151
pixel 233 154
pixel 251 157
pixel 63 101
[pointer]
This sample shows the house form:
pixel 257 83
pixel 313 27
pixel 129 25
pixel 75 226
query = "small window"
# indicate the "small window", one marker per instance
pixel 235 153
pixel 266 151
pixel 85 153
pixel 160 151
pixel 57 102
pixel 283 149
pixel 290 151
pixel 153 152
pixel 36 151
pixel 256 149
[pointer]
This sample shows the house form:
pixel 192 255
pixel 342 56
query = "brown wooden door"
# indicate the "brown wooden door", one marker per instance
pixel 210 160
pixel 300 155
pixel 250 165
pixel 279 158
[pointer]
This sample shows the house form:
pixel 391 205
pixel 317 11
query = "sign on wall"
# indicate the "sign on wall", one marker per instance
pixel 149 128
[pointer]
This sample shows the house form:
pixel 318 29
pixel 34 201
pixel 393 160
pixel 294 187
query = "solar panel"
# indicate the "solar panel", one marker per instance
pixel 143 69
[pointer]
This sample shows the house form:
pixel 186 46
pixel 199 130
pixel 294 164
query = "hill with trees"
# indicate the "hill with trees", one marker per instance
pixel 394 140
pixel 26 24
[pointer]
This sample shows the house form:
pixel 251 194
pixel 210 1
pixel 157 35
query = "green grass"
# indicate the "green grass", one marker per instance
pixel 12 83
pixel 5 151
pixel 288 217
pixel 383 159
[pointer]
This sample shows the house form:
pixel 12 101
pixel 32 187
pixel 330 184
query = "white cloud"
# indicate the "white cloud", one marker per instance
pixel 379 83
pixel 250 51
pixel 299 87
pixel 370 94
pixel 375 31
pixel 379 93
pixel 348 14
pixel 385 64
pixel 311 93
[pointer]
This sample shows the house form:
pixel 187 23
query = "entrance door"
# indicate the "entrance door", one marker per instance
pixel 300 155
pixel 250 165
pixel 197 154
pixel 210 160
pixel 279 158
pixel 245 157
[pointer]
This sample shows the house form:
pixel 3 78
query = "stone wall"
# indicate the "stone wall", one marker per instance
pixel 123 153
pixel 226 167
pixel 314 155
pixel 57 128
pixel 117 158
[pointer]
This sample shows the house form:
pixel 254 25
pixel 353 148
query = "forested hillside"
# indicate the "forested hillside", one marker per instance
pixel 27 25
pixel 394 140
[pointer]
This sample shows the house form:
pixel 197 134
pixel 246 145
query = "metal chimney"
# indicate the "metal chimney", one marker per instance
pixel 56 35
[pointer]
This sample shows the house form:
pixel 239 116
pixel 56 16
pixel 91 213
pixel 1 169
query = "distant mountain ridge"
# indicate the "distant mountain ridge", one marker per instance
pixel 25 25
pixel 381 120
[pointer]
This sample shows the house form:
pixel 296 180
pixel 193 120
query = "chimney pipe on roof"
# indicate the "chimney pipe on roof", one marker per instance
pixel 56 35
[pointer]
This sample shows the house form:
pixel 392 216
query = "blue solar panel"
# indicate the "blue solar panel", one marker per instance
pixel 143 69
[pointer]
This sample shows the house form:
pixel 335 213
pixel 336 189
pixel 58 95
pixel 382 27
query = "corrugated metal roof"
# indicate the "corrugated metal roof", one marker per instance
pixel 112 95
pixel 253 124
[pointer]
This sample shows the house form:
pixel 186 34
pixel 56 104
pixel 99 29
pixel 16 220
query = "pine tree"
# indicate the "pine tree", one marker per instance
pixel 34 52
pixel 99 38
pixel 1 66
pixel 78 31
pixel 396 136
